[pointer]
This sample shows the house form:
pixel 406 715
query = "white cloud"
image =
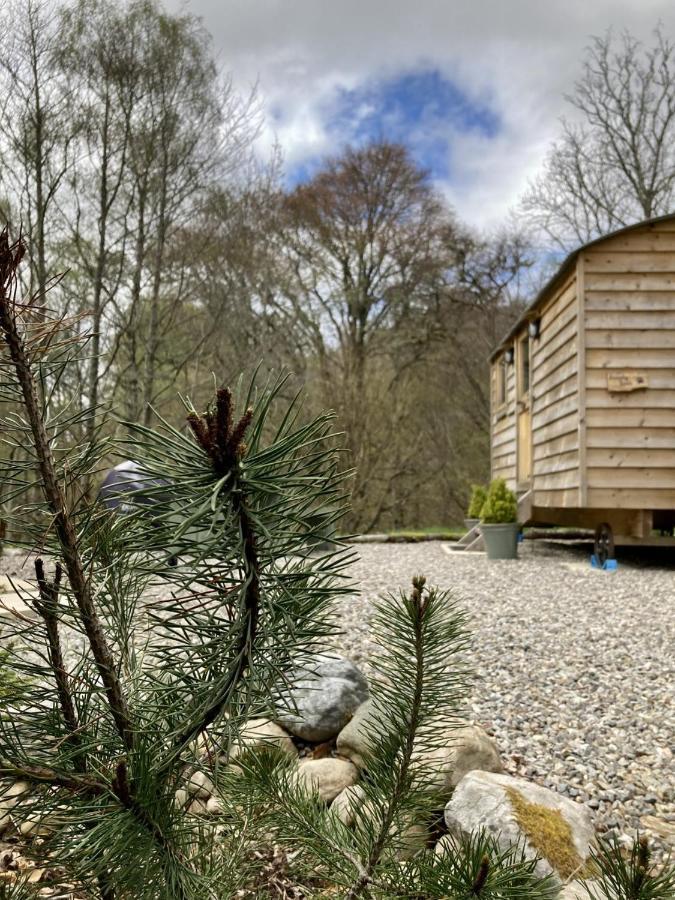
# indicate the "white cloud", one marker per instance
pixel 519 55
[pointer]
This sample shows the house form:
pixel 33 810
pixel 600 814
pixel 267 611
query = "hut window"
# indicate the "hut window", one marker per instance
pixel 500 382
pixel 524 366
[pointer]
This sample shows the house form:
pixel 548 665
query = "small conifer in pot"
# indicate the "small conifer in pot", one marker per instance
pixel 476 501
pixel 499 525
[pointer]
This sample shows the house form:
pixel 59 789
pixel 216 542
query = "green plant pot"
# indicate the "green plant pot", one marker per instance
pixel 501 541
pixel 471 523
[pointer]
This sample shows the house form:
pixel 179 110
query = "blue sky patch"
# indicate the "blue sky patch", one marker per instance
pixel 421 109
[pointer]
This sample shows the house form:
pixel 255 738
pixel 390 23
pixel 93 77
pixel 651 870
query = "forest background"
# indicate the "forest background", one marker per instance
pixel 128 160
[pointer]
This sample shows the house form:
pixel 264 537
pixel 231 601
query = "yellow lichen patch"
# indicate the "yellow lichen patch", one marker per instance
pixel 549 834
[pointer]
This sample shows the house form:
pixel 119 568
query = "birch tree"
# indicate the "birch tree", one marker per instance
pixel 189 130
pixel 36 130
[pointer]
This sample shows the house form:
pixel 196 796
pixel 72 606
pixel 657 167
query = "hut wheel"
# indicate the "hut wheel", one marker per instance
pixel 604 543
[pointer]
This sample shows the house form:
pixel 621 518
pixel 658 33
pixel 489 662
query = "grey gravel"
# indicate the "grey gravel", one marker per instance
pixel 575 667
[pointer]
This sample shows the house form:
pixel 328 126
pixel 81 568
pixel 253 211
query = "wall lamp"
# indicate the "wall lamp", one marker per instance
pixel 534 328
pixel 508 356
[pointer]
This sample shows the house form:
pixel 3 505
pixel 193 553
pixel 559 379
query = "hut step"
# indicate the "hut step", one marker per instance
pixel 472 540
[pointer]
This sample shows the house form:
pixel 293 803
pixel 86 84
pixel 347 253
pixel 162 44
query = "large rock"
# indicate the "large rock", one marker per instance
pixel 329 776
pixel 259 735
pixel 321 698
pixel 354 741
pixel 462 749
pixel 347 803
pixel 516 811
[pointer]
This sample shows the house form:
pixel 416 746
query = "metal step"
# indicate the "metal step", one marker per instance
pixel 525 507
pixel 472 540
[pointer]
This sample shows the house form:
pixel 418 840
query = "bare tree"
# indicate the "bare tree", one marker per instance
pixel 36 130
pixel 190 129
pixel 368 243
pixel 367 237
pixel 486 296
pixel 186 257
pixel 615 161
pixel 448 394
pixel 103 79
pixel 235 274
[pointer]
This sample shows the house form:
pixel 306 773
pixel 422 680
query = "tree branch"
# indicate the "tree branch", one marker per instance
pixel 222 441
pixel 10 258
pixel 417 606
pixel 47 606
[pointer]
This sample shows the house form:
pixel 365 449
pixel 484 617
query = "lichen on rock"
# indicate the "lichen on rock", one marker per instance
pixel 555 831
pixel 550 834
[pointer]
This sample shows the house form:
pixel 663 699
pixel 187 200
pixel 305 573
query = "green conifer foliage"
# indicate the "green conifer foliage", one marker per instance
pixel 124 694
pixel 500 505
pixel 478 495
pixel 630 875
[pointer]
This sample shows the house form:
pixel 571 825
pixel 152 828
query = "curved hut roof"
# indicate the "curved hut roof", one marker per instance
pixel 563 271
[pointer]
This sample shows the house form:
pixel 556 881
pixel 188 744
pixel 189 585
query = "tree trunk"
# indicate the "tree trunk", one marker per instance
pixel 133 398
pixel 152 343
pixel 97 304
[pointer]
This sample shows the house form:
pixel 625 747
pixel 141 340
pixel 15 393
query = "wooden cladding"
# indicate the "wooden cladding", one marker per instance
pixel 588 406
pixel 536 399
pixel 503 432
pixel 629 321
pixel 554 393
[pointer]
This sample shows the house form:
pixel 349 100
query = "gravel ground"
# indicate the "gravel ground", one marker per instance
pixel 575 667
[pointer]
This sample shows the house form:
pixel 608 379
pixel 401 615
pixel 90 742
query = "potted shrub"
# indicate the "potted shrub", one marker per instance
pixel 478 495
pixel 499 525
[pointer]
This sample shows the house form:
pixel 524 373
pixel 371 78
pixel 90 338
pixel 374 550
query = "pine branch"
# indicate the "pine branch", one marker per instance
pixel 223 416
pixel 64 528
pixel 481 877
pixel 223 443
pixel 10 257
pixel 46 606
pixel 642 867
pixel 417 606
pixel 629 876
pixel 124 793
pixel 249 585
pixel 45 775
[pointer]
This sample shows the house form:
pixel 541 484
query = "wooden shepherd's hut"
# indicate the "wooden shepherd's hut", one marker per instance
pixel 583 392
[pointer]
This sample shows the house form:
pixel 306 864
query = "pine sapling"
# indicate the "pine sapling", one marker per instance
pixel 630 874
pixel 129 699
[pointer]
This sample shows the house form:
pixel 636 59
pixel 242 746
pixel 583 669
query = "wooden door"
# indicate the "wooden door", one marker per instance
pixel 524 446
pixel 524 413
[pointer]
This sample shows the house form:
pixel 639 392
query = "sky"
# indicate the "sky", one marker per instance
pixel 475 88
